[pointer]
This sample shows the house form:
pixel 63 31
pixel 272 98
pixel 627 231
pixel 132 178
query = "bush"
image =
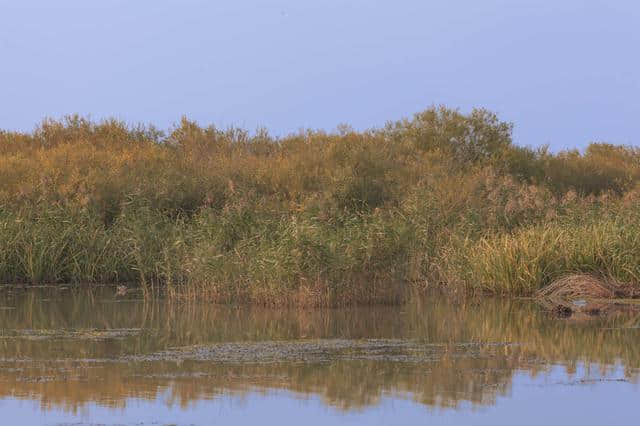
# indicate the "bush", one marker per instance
pixel 317 218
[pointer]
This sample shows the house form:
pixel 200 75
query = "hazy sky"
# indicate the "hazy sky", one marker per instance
pixel 566 72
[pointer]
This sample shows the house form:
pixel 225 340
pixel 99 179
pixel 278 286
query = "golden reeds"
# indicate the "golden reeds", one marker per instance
pixel 312 218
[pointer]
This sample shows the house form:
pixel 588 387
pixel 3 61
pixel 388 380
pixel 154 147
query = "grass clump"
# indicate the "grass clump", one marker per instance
pixel 314 218
pixel 580 286
pixel 528 259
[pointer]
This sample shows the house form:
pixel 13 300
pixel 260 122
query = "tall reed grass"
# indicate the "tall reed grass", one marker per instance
pixel 313 218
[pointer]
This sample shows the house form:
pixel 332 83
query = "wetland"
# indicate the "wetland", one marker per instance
pixel 430 270
pixel 94 356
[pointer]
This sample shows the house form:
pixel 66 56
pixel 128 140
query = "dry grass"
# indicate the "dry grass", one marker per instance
pixel 581 297
pixel 588 286
pixel 314 218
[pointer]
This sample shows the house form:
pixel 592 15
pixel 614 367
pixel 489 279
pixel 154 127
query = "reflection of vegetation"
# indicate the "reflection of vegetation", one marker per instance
pixel 472 350
pixel 313 218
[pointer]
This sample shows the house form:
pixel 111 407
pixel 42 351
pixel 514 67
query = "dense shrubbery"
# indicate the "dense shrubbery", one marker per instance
pixel 312 218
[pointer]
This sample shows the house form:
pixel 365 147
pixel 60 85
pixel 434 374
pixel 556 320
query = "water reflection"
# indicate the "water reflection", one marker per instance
pixel 69 349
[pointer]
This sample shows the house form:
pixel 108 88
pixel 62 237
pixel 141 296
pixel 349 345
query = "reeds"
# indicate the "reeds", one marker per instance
pixel 530 258
pixel 313 218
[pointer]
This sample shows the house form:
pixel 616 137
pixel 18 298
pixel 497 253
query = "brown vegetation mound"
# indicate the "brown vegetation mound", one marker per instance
pixel 586 286
pixel 581 296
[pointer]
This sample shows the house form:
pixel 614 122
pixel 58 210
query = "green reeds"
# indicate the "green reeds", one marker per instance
pixel 525 261
pixel 313 218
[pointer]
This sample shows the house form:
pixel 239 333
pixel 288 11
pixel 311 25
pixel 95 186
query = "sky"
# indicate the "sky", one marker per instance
pixel 564 72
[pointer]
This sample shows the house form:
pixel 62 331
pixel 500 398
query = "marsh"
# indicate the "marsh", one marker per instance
pixel 80 356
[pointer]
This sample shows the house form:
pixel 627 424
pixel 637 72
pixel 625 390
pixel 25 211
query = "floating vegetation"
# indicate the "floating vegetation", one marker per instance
pixel 91 334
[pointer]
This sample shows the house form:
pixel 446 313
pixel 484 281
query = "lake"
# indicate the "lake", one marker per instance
pixel 85 357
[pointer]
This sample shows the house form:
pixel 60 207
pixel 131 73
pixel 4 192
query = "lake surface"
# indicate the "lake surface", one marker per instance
pixel 78 357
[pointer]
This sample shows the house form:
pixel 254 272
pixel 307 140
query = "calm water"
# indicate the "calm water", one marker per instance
pixel 82 358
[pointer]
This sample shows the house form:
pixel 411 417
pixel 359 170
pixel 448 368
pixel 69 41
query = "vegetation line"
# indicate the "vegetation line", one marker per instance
pixel 315 218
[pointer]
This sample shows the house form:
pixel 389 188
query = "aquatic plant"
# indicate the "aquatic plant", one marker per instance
pixel 314 218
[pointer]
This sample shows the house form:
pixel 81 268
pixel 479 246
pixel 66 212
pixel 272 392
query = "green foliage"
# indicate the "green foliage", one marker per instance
pixel 318 218
pixel 533 257
pixel 467 138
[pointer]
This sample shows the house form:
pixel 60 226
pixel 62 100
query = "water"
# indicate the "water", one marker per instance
pixel 69 357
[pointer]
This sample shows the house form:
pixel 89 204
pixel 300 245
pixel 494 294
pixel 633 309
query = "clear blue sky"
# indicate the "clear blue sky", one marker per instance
pixel 565 72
